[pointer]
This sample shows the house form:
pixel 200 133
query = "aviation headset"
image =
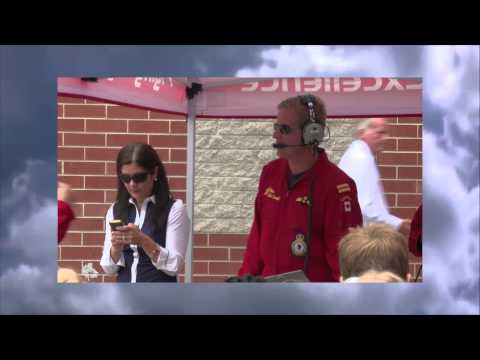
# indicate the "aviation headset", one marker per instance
pixel 313 130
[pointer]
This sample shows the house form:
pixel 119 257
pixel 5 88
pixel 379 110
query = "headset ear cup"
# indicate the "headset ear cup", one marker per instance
pixel 312 133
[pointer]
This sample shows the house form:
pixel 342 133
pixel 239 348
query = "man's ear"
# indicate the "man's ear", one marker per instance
pixel 409 277
pixel 341 278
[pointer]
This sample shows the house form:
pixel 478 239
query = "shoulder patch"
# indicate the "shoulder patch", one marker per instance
pixel 343 188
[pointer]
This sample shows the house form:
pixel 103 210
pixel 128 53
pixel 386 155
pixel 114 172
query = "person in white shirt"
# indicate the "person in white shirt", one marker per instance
pixel 359 163
pixel 152 243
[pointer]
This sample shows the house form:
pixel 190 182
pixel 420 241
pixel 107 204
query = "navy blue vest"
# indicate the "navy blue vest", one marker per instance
pixel 146 272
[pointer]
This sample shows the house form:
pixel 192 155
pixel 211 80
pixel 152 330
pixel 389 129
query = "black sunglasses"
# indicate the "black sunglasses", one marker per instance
pixel 283 128
pixel 137 178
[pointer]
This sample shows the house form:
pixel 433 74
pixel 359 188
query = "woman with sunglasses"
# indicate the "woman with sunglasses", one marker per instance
pixel 151 244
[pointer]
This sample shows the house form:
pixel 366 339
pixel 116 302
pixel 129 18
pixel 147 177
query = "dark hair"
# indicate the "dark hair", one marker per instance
pixel 146 157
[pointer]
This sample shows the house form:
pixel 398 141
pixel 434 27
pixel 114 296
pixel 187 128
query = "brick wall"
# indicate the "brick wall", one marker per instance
pixel 229 157
pixel 90 134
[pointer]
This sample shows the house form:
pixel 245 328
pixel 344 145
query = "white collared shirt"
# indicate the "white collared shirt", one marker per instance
pixel 358 162
pixel 171 258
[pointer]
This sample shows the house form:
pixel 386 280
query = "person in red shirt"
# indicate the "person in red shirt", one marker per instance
pixel 305 204
pixel 65 212
pixel 415 238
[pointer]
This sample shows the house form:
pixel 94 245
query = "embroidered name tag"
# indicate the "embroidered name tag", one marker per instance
pixel 270 193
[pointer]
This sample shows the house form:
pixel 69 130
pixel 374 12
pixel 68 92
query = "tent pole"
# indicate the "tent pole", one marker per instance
pixel 191 114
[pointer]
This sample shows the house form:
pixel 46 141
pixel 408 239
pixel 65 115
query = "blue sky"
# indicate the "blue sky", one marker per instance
pixel 28 190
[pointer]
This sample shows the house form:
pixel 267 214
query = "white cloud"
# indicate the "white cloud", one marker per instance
pixel 30 284
pixel 312 60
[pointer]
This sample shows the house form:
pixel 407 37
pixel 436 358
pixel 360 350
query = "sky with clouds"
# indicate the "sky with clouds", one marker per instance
pixel 28 190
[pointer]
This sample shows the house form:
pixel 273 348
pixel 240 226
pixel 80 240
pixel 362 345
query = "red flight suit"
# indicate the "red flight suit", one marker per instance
pixel 65 216
pixel 281 214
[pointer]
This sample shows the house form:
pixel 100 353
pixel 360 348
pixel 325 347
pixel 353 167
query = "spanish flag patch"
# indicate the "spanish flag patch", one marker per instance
pixel 343 188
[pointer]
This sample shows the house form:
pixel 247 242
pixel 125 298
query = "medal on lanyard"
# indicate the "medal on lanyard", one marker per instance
pixel 299 246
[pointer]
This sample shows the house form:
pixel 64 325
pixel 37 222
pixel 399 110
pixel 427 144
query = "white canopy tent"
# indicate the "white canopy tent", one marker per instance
pixel 247 98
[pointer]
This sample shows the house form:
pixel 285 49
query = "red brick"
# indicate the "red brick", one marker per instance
pixel 237 254
pixel 84 168
pixel 84 139
pixel 210 253
pixel 170 141
pixel 85 111
pixel 76 182
pixel 410 120
pixel 419 187
pixel 96 266
pixel 411 172
pixel 70 100
pixel 98 279
pixel 106 154
pixel 109 279
pixel 200 239
pixel 404 213
pixel 395 186
pixel 409 145
pixel 200 267
pixel 409 200
pixel 180 195
pixel 391 199
pixel 88 196
pixel 125 112
pixel 392 120
pixel 390 145
pixel 402 131
pixel 96 239
pixel 87 224
pixel 179 155
pixel 74 265
pixel 88 101
pixel 148 126
pixel 177 183
pixel 162 115
pixel 69 153
pixel 419 159
pixel 387 172
pixel 178 127
pixel 59 139
pixel 228 240
pixel 82 253
pixel 224 268
pixel 101 182
pixel 96 209
pixel 209 279
pixel 77 209
pixel 176 169
pixel 72 238
pixel 419 131
pixel 397 158
pixel 106 126
pixel 111 168
pixel 71 125
pixel 122 140
pixel 163 154
pixel 110 196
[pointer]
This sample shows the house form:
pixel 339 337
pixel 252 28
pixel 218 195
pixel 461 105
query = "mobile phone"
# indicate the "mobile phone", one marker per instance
pixel 114 224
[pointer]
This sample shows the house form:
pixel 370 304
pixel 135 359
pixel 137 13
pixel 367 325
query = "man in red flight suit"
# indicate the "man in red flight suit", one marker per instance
pixel 301 179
